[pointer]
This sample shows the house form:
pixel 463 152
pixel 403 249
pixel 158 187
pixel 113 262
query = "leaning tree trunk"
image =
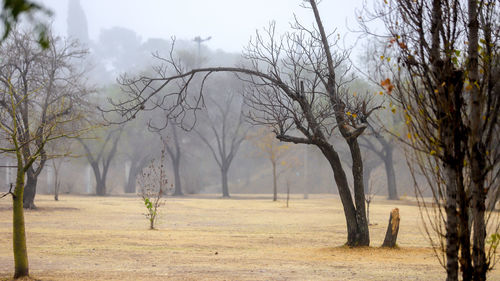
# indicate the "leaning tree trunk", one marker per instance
pixel 391 175
pixel 30 190
pixel 275 184
pixel 177 178
pixel 359 193
pixel 18 229
pixel 225 188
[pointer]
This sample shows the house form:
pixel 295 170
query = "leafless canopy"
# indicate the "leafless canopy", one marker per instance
pixel 297 83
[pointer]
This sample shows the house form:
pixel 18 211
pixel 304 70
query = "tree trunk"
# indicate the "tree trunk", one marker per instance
pixel 100 188
pixel 391 175
pixel 478 214
pixel 19 235
pixel 477 147
pixel 57 183
pixel 30 190
pixel 177 178
pixel 368 212
pixel 275 185
pixel 391 235
pixel 451 224
pixel 225 188
pixel 359 193
pixel 464 230
pixel 132 177
pixel 355 237
pixel 367 171
pixel 131 181
pixel 56 191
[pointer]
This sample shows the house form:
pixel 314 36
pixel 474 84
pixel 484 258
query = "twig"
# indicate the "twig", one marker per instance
pixel 10 192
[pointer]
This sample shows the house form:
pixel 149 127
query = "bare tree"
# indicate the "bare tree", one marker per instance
pixel 153 184
pixel 225 127
pixel 175 152
pixel 138 145
pixel 274 150
pixel 37 109
pixel 101 155
pixel 385 153
pixel 54 76
pixel 297 85
pixel 444 76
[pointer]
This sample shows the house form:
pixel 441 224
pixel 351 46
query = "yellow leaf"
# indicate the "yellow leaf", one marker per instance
pixel 349 113
pixel 433 152
pixel 283 163
pixel 380 93
pixel 393 110
pixel 382 57
pixel 354 115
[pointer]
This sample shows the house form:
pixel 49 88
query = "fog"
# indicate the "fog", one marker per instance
pixel 122 36
pixel 249 140
pixel 229 23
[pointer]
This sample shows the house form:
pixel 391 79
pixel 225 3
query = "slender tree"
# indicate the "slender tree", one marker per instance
pixel 272 149
pixel 174 150
pixel 53 75
pixel 225 134
pixel 28 148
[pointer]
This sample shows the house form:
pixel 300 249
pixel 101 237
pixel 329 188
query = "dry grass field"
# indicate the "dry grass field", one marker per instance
pixel 208 238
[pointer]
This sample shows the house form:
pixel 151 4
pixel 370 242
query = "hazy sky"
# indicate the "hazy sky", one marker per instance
pixel 229 22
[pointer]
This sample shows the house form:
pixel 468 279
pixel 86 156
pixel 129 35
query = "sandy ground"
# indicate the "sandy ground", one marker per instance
pixel 208 238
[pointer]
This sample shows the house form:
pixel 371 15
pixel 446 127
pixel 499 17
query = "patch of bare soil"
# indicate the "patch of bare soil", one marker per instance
pixel 206 238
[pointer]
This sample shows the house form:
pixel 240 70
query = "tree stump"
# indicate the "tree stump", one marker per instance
pixel 392 229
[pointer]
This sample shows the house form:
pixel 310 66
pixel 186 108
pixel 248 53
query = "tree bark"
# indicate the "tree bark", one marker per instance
pixel 177 177
pixel 225 188
pixel 136 166
pixel 355 237
pixel 100 188
pixel 391 235
pixel 359 193
pixel 367 171
pixel 451 224
pixel 132 180
pixel 30 190
pixel 390 175
pixel 18 228
pixel 477 148
pixel 275 185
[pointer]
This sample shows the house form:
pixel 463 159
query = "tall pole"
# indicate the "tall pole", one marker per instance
pixel 199 40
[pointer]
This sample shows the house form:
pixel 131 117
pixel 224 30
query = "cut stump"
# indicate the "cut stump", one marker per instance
pixel 392 229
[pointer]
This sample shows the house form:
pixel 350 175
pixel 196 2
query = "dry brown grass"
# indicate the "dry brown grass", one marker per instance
pixel 208 238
